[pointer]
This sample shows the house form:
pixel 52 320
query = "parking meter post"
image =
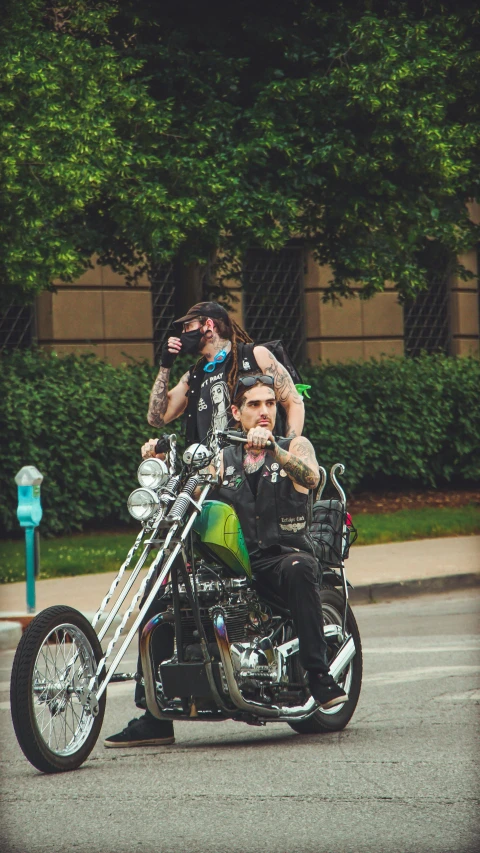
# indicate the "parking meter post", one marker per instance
pixel 30 567
pixel 37 552
pixel 29 514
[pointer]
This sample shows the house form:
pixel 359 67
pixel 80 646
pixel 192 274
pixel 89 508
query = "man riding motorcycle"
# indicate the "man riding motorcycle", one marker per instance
pixel 204 392
pixel 268 488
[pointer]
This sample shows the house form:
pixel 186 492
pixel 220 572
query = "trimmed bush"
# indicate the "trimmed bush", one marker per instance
pixel 82 422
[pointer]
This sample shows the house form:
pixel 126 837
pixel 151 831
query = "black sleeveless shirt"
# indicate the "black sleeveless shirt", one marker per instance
pixel 276 515
pixel 209 397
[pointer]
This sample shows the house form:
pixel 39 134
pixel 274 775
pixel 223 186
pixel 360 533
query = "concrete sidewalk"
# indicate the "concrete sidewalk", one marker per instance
pixel 375 571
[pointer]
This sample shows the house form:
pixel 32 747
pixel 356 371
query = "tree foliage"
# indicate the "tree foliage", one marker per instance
pixel 140 131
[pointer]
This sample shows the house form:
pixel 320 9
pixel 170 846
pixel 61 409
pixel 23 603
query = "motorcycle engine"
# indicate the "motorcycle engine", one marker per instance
pixel 248 623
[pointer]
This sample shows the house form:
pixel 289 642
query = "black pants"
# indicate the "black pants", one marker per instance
pixel 295 580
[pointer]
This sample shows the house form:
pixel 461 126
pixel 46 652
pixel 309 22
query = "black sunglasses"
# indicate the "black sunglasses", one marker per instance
pixel 250 381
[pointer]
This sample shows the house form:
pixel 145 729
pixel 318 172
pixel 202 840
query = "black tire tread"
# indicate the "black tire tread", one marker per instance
pixel 20 694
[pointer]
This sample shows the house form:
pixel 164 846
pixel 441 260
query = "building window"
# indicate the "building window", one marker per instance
pixel 274 298
pixel 427 318
pixel 17 327
pixel 163 305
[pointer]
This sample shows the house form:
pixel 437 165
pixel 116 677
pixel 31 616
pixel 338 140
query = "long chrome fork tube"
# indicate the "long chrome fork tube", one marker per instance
pixel 126 589
pixel 151 596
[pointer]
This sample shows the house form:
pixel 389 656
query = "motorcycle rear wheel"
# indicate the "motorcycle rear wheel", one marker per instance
pixel 338 717
pixel 55 659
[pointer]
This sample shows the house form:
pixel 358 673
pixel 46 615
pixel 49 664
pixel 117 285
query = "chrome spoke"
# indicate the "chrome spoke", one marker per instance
pixel 65 665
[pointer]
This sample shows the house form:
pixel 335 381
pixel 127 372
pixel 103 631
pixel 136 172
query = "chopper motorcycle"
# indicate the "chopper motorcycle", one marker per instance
pixel 235 655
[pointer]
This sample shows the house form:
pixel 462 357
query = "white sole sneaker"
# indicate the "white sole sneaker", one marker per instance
pixel 339 700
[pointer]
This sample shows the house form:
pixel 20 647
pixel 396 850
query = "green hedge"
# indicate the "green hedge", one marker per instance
pixel 81 422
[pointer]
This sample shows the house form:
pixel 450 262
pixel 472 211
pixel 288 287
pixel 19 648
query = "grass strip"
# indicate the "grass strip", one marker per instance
pixel 89 553
pixel 425 523
pixel 79 554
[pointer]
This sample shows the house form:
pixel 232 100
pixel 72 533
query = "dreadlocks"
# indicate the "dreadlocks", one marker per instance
pixel 239 335
pixel 230 331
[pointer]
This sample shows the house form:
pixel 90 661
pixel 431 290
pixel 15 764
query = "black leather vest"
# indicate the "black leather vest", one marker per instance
pixel 278 513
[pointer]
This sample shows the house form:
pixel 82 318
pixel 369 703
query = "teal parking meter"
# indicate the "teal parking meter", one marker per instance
pixel 29 514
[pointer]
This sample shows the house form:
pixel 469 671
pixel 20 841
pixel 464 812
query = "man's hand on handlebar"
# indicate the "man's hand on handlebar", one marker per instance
pixel 148 450
pixel 259 438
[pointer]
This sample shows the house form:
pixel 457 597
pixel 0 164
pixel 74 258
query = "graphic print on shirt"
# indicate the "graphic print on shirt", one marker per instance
pixel 220 402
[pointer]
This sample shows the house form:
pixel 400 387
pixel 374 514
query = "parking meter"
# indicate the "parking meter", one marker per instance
pixel 29 514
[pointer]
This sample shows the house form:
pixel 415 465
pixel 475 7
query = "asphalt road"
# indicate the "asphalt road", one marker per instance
pixel 400 779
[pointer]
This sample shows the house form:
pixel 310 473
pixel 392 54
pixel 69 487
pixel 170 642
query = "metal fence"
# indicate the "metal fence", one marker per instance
pixel 274 298
pixel 17 327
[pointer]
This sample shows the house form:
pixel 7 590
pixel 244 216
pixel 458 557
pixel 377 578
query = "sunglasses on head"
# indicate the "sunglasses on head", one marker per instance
pixel 250 381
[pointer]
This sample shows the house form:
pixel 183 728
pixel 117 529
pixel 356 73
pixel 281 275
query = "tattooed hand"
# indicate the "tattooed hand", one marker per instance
pixel 148 450
pixel 257 438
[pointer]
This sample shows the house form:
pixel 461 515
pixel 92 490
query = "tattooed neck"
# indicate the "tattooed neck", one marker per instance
pixel 253 461
pixel 215 346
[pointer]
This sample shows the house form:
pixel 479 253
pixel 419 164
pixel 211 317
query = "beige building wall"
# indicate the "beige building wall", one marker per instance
pixel 355 328
pixel 98 313
pixel 464 309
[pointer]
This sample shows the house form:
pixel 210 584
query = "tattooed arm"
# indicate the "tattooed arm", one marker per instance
pixel 299 462
pixel 285 391
pixel 167 405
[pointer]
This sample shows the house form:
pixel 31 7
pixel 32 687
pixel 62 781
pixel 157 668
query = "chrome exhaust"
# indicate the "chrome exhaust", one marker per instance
pixel 283 713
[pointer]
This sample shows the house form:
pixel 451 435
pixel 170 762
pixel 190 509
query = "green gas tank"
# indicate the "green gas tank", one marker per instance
pixel 219 528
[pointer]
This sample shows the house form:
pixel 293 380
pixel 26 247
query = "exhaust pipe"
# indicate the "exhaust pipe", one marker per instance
pixel 270 712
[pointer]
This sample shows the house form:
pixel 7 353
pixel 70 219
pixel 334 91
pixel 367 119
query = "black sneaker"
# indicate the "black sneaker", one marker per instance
pixel 325 690
pixel 146 731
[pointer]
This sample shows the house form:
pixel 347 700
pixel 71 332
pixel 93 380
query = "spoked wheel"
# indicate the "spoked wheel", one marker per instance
pixel 53 667
pixel 336 718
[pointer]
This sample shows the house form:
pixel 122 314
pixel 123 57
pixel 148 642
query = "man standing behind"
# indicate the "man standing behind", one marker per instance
pixel 204 391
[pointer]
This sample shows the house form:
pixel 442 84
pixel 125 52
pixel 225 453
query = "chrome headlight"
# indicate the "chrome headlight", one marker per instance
pixel 198 454
pixel 142 504
pixel 152 473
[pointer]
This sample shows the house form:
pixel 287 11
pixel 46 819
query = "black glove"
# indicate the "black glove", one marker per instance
pixel 167 358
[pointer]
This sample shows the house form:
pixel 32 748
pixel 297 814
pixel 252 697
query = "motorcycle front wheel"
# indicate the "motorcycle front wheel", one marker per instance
pixel 54 662
pixel 335 719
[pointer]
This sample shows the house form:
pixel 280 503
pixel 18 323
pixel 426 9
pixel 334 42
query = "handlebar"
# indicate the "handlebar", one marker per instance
pixel 239 439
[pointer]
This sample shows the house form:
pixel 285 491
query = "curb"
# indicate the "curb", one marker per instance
pixel 10 635
pixel 12 626
pixel 371 593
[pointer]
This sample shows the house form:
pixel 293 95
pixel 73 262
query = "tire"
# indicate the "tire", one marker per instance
pixel 338 717
pixel 56 657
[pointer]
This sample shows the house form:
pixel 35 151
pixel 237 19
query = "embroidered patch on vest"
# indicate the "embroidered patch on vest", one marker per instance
pixel 292 523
